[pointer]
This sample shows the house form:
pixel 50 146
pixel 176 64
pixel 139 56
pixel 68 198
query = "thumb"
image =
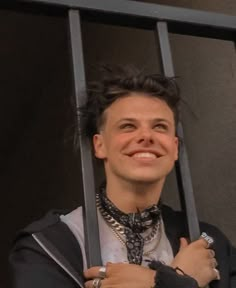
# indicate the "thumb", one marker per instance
pixel 183 243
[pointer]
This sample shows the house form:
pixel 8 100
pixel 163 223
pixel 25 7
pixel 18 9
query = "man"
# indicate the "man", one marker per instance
pixel 131 119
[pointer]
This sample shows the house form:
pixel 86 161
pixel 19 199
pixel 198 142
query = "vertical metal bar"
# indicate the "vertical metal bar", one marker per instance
pixel 183 171
pixel 90 211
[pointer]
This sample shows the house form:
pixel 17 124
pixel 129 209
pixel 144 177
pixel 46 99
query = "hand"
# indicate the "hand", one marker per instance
pixel 122 275
pixel 196 261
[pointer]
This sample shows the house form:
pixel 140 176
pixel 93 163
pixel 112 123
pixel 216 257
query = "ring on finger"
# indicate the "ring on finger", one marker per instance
pixel 102 272
pixel 208 239
pixel 96 283
pixel 217 274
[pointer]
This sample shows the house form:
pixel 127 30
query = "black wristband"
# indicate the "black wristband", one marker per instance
pixel 167 277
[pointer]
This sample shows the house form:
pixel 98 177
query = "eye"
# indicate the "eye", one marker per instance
pixel 161 127
pixel 127 126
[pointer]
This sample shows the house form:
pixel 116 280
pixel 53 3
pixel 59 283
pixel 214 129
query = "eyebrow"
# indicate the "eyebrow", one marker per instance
pixel 126 119
pixel 152 120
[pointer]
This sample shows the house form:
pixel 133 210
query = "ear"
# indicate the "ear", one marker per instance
pixel 99 146
pixel 176 140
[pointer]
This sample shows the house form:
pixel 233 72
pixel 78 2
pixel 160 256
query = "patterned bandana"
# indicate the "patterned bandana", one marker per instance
pixel 134 224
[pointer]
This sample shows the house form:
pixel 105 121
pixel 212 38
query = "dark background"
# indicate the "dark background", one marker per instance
pixel 39 165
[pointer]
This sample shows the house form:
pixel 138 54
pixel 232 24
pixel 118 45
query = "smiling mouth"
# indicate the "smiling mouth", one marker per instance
pixel 144 155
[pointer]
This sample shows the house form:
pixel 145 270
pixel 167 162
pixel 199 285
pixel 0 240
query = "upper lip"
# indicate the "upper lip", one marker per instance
pixel 144 151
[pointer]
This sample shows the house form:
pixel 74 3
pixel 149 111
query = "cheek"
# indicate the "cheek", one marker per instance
pixel 120 142
pixel 170 145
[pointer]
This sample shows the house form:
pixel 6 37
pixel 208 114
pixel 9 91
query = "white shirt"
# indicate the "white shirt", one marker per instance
pixel 112 249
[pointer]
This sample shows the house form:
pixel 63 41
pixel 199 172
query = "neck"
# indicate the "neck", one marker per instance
pixel 130 197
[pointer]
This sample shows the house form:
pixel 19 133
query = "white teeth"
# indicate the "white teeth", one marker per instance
pixel 144 155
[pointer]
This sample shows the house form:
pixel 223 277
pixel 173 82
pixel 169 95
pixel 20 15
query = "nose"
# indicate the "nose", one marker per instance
pixel 145 136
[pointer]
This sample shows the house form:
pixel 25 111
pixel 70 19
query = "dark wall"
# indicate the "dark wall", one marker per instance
pixel 38 166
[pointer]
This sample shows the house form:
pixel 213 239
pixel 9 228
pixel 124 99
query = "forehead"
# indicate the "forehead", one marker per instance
pixel 139 106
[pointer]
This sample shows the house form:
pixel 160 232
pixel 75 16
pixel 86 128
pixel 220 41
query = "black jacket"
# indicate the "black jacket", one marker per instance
pixel 32 265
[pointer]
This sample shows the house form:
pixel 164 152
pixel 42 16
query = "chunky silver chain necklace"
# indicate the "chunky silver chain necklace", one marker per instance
pixel 119 230
pixel 145 253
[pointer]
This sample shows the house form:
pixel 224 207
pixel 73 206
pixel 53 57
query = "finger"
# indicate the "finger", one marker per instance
pixel 216 274
pixel 201 243
pixel 95 283
pixel 183 243
pixel 88 284
pixel 214 263
pixel 211 253
pixel 92 272
pixel 102 271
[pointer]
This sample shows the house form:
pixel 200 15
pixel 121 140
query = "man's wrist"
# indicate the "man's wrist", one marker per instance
pixel 167 276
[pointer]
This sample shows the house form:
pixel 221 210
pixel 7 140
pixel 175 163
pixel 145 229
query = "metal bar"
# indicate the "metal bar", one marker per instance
pixel 183 165
pixel 90 211
pixel 180 20
pixel 165 49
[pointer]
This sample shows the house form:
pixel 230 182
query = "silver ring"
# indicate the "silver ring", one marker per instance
pixel 217 274
pixel 208 239
pixel 97 283
pixel 102 272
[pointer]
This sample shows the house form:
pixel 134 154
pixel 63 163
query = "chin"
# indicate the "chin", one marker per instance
pixel 142 179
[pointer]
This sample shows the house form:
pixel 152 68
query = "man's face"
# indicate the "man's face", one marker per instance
pixel 137 141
